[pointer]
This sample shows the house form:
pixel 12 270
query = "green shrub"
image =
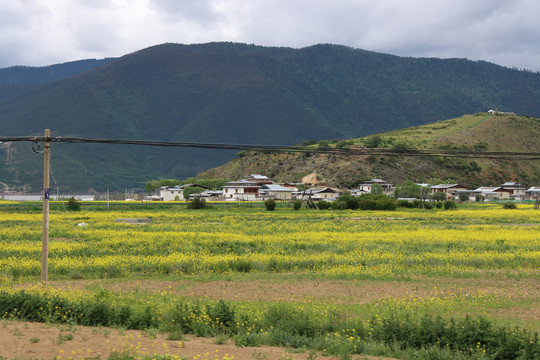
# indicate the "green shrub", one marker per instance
pixel 385 203
pixel 405 204
pixel 297 204
pixel 438 204
pixel 449 205
pixel 270 204
pixel 324 205
pixel 285 324
pixel 509 205
pixel 73 205
pixel 339 205
pixel 197 203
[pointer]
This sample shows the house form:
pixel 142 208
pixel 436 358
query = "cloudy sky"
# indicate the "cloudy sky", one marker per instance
pixel 44 32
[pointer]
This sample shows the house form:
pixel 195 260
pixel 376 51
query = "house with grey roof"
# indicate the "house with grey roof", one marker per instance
pixel 493 192
pixel 276 191
pixel 365 188
pixel 450 190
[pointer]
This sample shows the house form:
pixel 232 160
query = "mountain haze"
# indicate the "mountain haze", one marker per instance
pixel 236 93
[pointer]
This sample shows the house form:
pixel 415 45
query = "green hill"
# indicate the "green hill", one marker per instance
pixel 481 132
pixel 237 93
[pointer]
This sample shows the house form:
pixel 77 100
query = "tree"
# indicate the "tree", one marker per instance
pixel 409 189
pixel 324 145
pixel 439 196
pixel 373 141
pixel 192 190
pixel 377 189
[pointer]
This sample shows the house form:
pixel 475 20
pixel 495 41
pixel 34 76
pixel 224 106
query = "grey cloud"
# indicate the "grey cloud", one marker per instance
pixel 500 31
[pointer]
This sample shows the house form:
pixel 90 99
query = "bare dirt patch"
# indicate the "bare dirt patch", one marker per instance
pixel 328 291
pixel 24 340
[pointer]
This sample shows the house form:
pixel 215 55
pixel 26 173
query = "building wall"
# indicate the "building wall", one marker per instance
pixel 167 195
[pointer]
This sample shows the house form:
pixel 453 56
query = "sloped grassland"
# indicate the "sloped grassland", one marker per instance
pixel 480 132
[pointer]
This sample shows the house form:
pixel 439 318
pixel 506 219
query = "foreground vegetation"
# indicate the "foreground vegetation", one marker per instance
pixel 457 284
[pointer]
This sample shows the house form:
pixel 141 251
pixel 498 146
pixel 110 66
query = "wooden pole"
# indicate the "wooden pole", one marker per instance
pixel 45 234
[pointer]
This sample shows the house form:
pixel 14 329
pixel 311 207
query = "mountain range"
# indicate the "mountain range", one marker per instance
pixel 230 93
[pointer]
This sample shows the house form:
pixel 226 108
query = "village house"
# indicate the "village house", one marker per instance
pixel 246 189
pixel 365 188
pixel 243 190
pixel 318 193
pixel 171 193
pixel 450 190
pixel 514 188
pixel 533 192
pixel 493 193
pixel 214 195
pixel 275 191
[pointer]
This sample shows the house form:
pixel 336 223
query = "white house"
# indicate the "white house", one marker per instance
pixel 275 191
pixel 318 193
pixel 170 193
pixel 388 189
pixel 533 192
pixel 244 190
pixel 450 190
pixel 493 192
pixel 514 188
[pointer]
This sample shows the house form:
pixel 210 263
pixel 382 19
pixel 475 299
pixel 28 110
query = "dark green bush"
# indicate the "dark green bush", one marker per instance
pixel 284 325
pixel 197 203
pixel 270 204
pixel 449 205
pixel 297 204
pixel 438 204
pixel 509 205
pixel 73 205
pixel 405 204
pixel 385 203
pixel 339 205
pixel 367 204
pixel 324 205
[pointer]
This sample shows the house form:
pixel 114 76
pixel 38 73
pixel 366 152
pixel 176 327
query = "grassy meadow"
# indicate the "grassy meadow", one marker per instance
pixel 405 284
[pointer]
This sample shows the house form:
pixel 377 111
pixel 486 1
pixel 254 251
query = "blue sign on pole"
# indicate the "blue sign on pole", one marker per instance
pixel 47 194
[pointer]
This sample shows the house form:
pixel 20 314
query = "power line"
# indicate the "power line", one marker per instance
pixel 498 155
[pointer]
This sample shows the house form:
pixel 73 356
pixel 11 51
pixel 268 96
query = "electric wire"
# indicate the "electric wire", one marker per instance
pixel 353 151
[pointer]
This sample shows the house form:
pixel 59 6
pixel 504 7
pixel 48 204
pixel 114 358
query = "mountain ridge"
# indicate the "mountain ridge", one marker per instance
pixel 238 93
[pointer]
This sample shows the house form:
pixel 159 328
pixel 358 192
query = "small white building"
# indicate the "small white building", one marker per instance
pixel 275 191
pixel 493 193
pixel 243 190
pixel 450 190
pixel 388 189
pixel 514 188
pixel 318 193
pixel 533 192
pixel 171 193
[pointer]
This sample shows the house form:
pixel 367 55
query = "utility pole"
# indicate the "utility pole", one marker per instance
pixel 45 235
